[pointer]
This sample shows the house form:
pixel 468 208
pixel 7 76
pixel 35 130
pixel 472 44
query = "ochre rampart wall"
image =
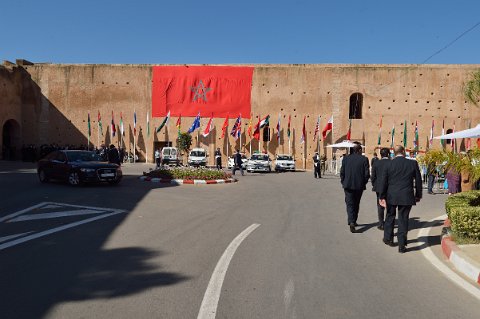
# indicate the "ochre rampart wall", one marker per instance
pixel 51 102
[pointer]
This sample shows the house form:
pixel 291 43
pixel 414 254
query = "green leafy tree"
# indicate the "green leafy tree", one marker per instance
pixel 184 142
pixel 471 89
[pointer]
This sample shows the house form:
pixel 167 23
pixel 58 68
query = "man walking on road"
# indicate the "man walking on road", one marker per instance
pixel 237 163
pixel 379 168
pixel 401 188
pixel 354 176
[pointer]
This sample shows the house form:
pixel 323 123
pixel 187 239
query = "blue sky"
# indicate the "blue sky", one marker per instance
pixel 185 31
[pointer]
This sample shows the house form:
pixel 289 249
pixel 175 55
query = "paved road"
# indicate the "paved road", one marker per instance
pixel 156 259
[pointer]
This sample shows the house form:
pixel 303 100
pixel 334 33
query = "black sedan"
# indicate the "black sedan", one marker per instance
pixel 77 167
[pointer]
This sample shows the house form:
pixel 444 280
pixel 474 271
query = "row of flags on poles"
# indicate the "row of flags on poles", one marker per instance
pixel 254 130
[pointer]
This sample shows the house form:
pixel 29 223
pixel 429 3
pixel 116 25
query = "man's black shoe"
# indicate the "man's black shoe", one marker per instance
pixel 389 243
pixel 402 250
pixel 380 226
pixel 355 224
pixel 352 228
pixel 431 193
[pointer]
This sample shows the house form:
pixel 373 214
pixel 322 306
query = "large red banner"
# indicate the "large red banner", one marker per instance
pixel 188 90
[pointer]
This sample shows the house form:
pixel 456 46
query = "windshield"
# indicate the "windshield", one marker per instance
pixel 82 156
pixel 197 153
pixel 284 158
pixel 259 157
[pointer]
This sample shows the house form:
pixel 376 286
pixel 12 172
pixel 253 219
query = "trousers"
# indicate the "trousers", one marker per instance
pixel 352 199
pixel 380 211
pixel 403 216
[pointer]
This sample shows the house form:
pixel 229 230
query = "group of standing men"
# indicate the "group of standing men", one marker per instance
pixel 397 183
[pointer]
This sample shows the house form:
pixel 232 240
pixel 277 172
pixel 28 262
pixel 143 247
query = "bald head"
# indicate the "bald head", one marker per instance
pixel 399 150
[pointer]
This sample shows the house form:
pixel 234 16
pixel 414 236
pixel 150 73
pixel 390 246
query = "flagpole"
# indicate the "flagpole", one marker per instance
pixel 146 144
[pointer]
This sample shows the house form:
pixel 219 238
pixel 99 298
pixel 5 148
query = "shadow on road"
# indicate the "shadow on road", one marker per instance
pixel 73 264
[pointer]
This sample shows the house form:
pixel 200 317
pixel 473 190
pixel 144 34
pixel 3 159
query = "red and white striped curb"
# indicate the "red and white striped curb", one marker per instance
pixel 187 181
pixel 459 259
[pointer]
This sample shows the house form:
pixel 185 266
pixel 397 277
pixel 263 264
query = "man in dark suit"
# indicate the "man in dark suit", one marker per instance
pixel 401 188
pixel 354 175
pixel 378 174
pixel 237 162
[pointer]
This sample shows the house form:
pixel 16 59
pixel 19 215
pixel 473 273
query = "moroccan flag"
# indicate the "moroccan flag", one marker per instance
pixel 304 132
pixel 122 129
pixel 443 133
pixel 188 90
pixel 349 133
pixel 224 127
pixel 415 140
pixel 114 130
pixel 380 132
pixel 393 136
pixel 208 128
pixel 317 128
pixel 195 124
pixel 278 130
pixel 148 125
pixel 179 124
pixel 165 121
pixel 100 128
pixel 288 129
pixel 89 129
pixel 237 127
pixel 405 134
pixel 430 141
pixel 250 126
pixel 134 123
pixel 327 127
pixel 256 130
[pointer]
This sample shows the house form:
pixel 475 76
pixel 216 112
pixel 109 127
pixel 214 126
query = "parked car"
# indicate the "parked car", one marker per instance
pixel 259 163
pixel 169 156
pixel 284 162
pixel 77 167
pixel 231 161
pixel 197 157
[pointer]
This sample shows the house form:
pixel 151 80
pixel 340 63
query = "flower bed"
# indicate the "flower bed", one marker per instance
pixel 188 173
pixel 463 210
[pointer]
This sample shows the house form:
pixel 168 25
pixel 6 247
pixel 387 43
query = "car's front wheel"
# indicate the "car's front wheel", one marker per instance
pixel 42 176
pixel 74 179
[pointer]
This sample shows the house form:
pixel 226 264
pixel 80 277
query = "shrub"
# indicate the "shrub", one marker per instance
pixel 188 173
pixel 463 210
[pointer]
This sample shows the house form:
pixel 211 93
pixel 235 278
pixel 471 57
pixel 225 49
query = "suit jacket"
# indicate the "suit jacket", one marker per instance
pixel 237 158
pixel 402 182
pixel 379 168
pixel 355 172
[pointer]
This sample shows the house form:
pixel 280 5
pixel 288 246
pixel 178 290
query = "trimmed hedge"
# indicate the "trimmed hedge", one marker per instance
pixel 463 210
pixel 188 173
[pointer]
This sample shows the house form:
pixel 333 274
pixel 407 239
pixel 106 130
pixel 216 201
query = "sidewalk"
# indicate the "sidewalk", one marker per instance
pixel 465 258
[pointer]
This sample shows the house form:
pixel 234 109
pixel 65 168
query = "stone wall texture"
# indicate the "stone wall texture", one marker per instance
pixel 50 103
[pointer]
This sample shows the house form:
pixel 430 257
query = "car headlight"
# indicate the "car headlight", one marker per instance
pixel 87 170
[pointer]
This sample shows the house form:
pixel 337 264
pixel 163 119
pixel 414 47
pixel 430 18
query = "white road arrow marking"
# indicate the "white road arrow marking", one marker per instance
pixel 7 238
pixel 57 229
pixel 66 213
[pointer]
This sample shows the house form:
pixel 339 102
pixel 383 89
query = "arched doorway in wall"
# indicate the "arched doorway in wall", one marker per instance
pixel 10 140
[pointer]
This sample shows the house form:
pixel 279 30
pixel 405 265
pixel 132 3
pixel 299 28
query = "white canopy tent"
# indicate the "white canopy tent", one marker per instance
pixel 343 144
pixel 469 133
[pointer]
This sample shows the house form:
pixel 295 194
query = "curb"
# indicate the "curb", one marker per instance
pixel 188 181
pixel 459 259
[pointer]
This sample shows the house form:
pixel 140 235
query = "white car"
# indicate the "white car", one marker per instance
pixel 231 162
pixel 169 156
pixel 284 163
pixel 197 157
pixel 259 163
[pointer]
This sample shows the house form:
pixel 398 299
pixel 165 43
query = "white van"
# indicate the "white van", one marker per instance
pixel 169 156
pixel 197 157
